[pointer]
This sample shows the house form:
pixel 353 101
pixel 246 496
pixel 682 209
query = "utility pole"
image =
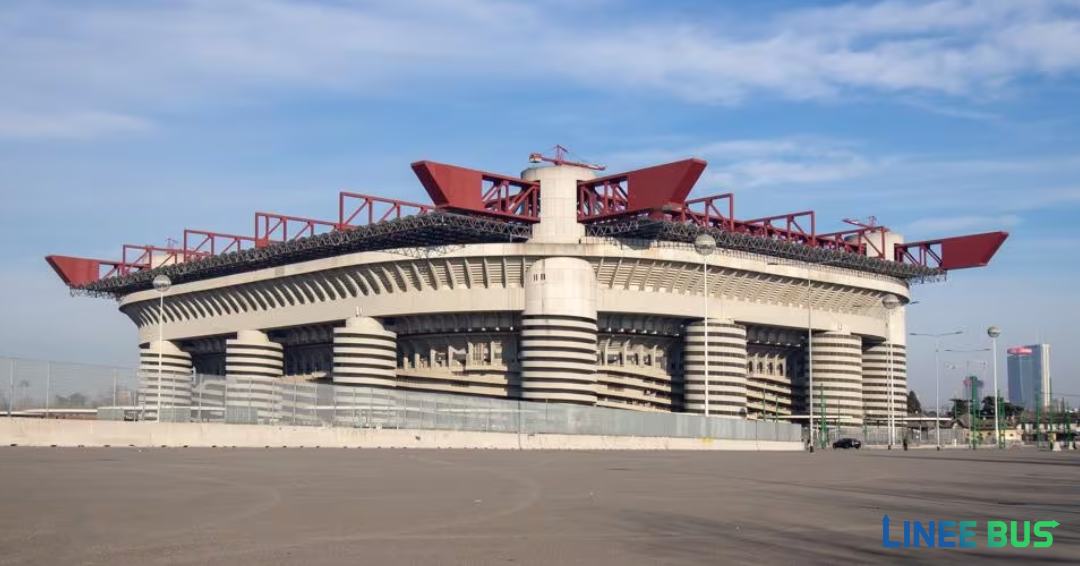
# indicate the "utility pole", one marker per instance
pixel 824 421
pixel 937 377
pixel 1038 414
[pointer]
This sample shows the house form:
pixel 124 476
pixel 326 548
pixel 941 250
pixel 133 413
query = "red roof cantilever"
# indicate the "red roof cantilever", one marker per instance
pixel 659 192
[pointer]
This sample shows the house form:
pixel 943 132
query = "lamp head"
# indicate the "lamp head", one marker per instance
pixel 705 244
pixel 162 283
pixel 890 301
pixel 993 332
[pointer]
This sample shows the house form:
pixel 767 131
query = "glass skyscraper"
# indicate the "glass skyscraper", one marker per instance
pixel 1029 375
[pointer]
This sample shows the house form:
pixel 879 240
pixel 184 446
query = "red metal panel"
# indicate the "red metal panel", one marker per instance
pixel 77 271
pixel 469 190
pixel 960 252
pixel 270 227
pixel 449 185
pixel 371 209
pixel 652 189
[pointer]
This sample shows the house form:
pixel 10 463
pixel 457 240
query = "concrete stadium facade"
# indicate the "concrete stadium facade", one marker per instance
pixel 563 317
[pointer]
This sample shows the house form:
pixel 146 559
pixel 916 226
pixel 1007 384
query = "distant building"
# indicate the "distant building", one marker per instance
pixel 1029 375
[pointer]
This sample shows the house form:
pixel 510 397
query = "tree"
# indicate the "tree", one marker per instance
pixel 73 401
pixel 1012 410
pixel 959 408
pixel 914 407
pixel 988 407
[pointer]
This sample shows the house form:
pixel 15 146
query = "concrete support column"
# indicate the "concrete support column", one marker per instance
pixel 558 202
pixel 253 365
pixel 176 381
pixel 838 376
pixel 727 368
pixel 876 381
pixel 365 353
pixel 558 334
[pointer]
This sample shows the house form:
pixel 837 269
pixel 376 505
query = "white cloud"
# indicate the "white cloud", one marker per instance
pixel 751 163
pixel 146 57
pixel 957 223
pixel 950 47
pixel 75 125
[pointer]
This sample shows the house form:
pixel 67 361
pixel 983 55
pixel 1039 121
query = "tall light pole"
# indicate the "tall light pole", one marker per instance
pixel 705 246
pixel 937 377
pixel 890 302
pixel 993 332
pixel 810 349
pixel 162 284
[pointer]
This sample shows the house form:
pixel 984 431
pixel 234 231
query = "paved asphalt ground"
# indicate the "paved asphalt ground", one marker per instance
pixel 315 507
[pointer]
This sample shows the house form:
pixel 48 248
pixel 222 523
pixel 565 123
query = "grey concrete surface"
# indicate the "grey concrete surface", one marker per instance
pixel 316 507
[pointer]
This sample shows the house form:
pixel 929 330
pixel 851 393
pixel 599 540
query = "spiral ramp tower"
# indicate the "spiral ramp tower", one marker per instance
pixel 254 366
pixel 165 379
pixel 726 372
pixel 838 378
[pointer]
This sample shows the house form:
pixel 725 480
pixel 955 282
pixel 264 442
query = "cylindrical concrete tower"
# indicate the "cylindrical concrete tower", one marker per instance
pixel 727 368
pixel 253 365
pixel 558 203
pixel 837 368
pixel 365 353
pixel 878 244
pixel 558 335
pixel 876 382
pixel 176 381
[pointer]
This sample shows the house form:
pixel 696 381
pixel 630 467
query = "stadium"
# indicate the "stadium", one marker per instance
pixel 565 284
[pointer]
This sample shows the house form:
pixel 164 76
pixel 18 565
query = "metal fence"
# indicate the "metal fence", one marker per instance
pixel 879 436
pixel 32 387
pixel 51 388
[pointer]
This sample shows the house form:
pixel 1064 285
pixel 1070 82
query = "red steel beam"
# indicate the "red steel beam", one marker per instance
pixel 604 199
pixel 139 257
pixel 199 243
pixel 272 228
pixel 373 209
pixel 468 190
pixel 839 240
pixel 652 190
pixel 716 211
pixel 960 252
pixel 791 229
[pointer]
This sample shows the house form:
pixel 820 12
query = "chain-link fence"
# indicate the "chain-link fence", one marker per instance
pixel 879 435
pixel 36 388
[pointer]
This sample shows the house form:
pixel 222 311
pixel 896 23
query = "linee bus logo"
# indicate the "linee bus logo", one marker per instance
pixel 998 534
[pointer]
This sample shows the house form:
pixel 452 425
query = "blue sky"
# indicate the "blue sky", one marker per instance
pixel 127 121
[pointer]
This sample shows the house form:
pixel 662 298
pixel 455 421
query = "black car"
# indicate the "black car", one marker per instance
pixel 846 443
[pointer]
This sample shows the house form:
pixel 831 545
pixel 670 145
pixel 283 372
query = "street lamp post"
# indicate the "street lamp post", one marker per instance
pixel 993 332
pixel 937 377
pixel 162 284
pixel 705 246
pixel 890 302
pixel 810 352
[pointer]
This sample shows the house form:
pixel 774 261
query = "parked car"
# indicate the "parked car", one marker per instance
pixel 846 443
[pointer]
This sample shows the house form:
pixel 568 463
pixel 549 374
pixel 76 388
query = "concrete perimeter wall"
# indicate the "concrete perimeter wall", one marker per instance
pixel 70 433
